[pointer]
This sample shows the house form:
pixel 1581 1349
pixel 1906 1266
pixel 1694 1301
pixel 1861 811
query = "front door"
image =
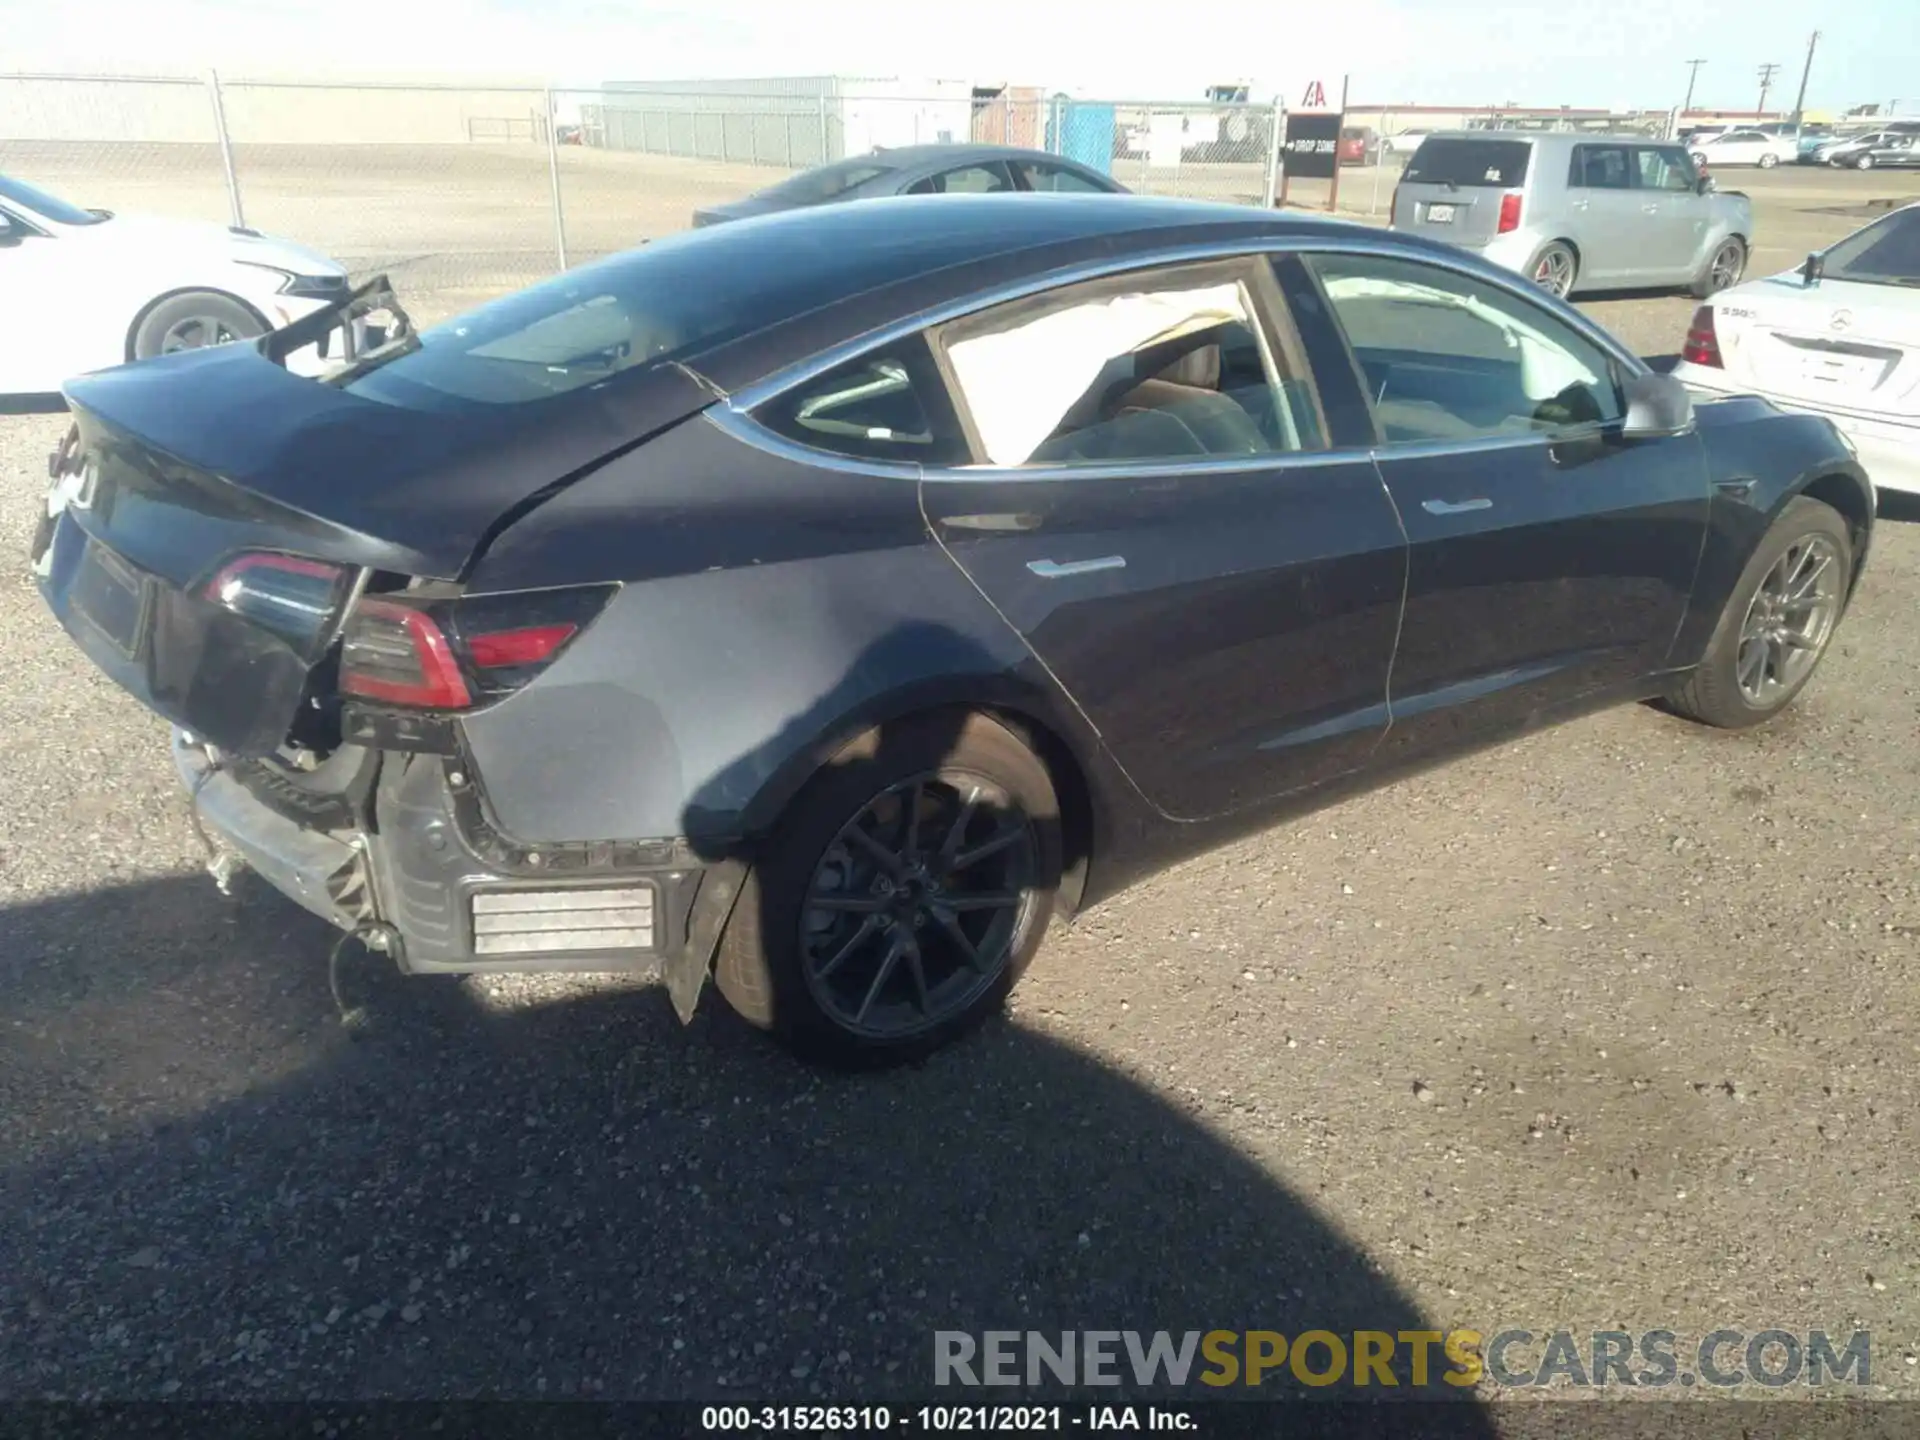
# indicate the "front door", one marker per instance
pixel 1157 513
pixel 1549 559
pixel 1675 231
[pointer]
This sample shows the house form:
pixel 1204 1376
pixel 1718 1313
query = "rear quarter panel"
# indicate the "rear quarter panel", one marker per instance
pixel 1759 458
pixel 770 611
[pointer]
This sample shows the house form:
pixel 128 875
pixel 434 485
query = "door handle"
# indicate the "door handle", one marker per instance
pixel 1054 570
pixel 1650 208
pixel 1454 507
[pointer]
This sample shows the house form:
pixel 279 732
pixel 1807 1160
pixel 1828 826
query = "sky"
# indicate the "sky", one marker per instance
pixel 1609 53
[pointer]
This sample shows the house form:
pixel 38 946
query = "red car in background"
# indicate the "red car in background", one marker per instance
pixel 1356 145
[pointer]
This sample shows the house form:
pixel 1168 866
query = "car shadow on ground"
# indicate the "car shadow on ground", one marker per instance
pixel 224 1192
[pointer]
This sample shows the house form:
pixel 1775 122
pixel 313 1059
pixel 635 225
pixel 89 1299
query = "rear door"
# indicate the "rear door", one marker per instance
pixel 1156 510
pixel 1454 187
pixel 1550 559
pixel 1607 221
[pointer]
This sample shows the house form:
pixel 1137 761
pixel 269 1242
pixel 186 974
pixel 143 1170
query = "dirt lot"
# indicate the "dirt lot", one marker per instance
pixel 1612 1029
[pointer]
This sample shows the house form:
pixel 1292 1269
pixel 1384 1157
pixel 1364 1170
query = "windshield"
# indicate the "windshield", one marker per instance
pixel 811 186
pixel 49 207
pixel 1887 252
pixel 1500 163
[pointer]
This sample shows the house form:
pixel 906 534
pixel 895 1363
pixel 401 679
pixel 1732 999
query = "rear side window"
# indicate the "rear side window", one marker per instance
pixel 1600 167
pixel 890 405
pixel 824 182
pixel 1171 365
pixel 1058 178
pixel 967 180
pixel 1440 160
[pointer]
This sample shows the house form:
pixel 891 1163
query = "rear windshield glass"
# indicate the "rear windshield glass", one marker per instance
pixel 681 294
pixel 825 182
pixel 1885 253
pixel 1499 163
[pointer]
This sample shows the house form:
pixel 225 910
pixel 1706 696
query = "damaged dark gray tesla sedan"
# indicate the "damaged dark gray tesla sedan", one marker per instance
pixel 821 602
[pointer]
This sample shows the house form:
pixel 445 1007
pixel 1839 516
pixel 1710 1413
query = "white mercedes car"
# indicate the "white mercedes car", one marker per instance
pixel 84 289
pixel 1840 336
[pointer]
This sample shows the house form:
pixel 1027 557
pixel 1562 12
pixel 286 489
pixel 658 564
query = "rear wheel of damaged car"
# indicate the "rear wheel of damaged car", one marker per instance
pixel 191 321
pixel 1777 623
pixel 1726 263
pixel 1556 269
pixel 902 895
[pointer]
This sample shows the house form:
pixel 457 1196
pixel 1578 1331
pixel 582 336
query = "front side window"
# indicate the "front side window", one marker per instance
pixel 890 405
pixel 1664 169
pixel 1172 366
pixel 1450 358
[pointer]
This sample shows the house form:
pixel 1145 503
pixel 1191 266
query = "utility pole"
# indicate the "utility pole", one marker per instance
pixel 1766 84
pixel 1800 100
pixel 1693 74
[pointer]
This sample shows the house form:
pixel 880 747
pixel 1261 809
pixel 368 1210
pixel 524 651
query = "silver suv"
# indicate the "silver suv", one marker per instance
pixel 1577 212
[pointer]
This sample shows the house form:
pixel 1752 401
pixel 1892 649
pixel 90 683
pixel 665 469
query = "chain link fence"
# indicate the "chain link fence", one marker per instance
pixel 460 192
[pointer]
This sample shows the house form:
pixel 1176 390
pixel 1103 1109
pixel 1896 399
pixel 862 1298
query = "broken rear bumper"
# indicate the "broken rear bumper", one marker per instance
pixel 446 893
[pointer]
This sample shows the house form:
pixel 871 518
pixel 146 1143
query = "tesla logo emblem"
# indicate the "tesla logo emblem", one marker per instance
pixel 1315 98
pixel 1841 319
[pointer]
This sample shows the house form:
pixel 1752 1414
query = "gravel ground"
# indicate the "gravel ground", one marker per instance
pixel 1610 1029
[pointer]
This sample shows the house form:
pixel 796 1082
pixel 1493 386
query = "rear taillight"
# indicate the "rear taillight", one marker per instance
pixel 450 654
pixel 1509 214
pixel 297 599
pixel 397 654
pixel 1703 342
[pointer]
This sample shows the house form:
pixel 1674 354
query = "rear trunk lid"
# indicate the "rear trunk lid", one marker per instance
pixel 1454 186
pixel 1834 345
pixel 188 462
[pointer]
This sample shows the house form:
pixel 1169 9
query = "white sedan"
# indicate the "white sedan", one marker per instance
pixel 84 289
pixel 1745 147
pixel 1840 336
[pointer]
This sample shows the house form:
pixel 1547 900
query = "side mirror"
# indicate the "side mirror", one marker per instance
pixel 1704 185
pixel 1657 406
pixel 1813 267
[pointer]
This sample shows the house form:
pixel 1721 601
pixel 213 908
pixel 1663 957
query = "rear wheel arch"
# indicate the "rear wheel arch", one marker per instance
pixel 133 327
pixel 1023 715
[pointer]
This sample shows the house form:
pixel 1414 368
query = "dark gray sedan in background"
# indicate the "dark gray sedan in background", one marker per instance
pixel 824 601
pixel 921 170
